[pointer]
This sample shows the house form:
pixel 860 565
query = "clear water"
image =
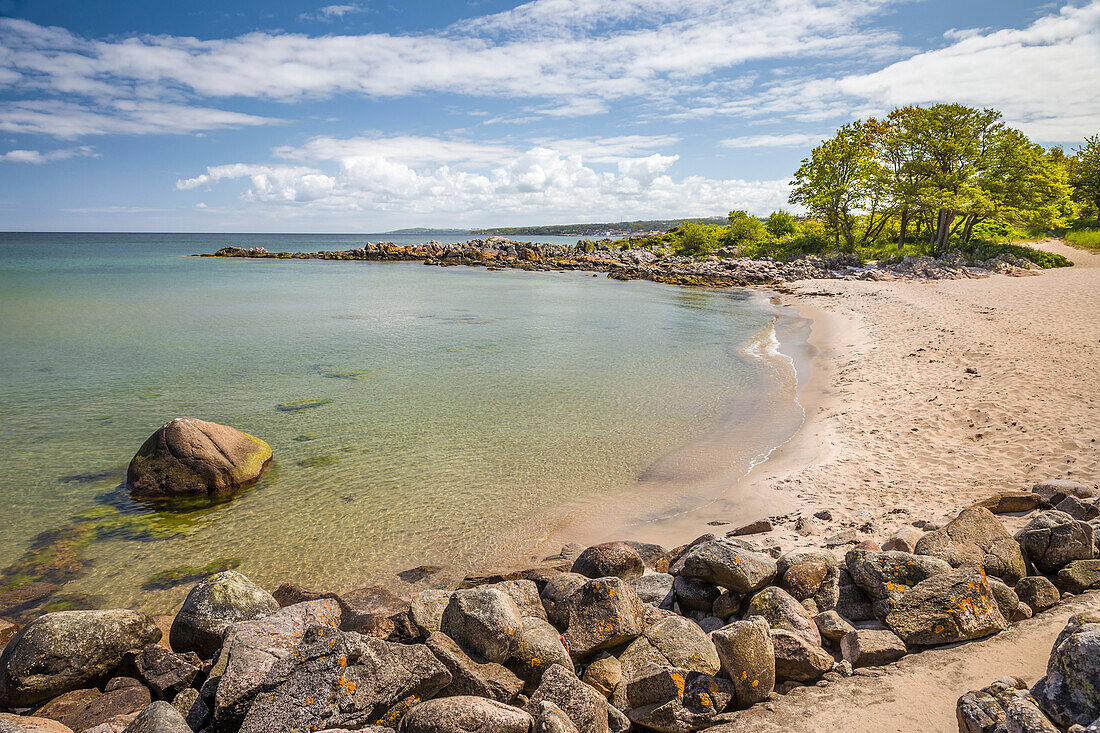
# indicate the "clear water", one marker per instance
pixel 461 405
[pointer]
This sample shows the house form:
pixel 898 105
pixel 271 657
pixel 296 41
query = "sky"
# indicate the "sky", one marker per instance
pixel 367 116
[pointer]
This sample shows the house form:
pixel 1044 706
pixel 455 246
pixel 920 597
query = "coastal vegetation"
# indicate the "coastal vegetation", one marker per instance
pixel 920 181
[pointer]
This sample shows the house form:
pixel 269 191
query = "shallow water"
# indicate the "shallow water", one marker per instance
pixel 456 405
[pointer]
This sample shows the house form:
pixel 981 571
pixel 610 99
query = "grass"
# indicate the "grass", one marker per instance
pixel 1084 233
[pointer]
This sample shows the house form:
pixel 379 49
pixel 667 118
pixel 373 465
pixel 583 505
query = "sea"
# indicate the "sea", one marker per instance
pixel 426 422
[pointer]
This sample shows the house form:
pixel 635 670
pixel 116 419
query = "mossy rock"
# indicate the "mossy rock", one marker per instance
pixel 299 405
pixel 189 457
pixel 317 461
pixel 184 574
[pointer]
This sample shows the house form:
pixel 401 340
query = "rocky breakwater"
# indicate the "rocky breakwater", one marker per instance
pixel 726 270
pixel 609 638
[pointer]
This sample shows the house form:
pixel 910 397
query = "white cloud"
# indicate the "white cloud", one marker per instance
pixel 573 55
pixel 68 120
pixel 37 157
pixel 790 140
pixel 1043 78
pixel 463 181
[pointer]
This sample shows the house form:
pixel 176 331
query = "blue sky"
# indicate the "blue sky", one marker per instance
pixel 373 115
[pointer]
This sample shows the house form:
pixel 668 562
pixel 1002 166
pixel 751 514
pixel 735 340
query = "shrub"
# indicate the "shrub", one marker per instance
pixel 743 229
pixel 781 224
pixel 695 240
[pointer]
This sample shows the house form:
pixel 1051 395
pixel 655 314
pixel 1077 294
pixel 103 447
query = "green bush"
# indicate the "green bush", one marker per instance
pixel 781 224
pixel 982 250
pixel 695 240
pixel 743 229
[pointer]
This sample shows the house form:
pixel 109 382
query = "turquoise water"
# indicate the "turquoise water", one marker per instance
pixel 458 404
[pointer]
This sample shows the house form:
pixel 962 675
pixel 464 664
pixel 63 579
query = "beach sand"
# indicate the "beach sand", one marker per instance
pixel 899 430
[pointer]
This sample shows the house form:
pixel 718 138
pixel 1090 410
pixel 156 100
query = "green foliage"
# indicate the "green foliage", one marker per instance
pixel 743 229
pixel 695 240
pixel 781 224
pixel 1084 233
pixel 942 170
pixel 1084 175
pixel 981 250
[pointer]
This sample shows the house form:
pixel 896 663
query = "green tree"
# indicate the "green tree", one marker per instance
pixel 1084 174
pixel 743 229
pixel 696 239
pixel 845 184
pixel 781 224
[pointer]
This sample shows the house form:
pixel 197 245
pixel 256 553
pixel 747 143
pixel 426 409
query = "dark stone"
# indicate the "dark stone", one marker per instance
pixel 468 677
pixel 1038 593
pixel 609 559
pixel 695 595
pixel 655 588
pixel 158 717
pixel 465 715
pixel 214 604
pixel 1054 538
pixel 165 672
pixel 67 650
pixel 340 679
pixel 722 562
pixel 1070 692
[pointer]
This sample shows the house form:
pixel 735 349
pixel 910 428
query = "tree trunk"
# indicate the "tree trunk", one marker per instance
pixel 902 228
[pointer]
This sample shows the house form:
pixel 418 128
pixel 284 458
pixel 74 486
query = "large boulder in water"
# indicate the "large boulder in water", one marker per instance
pixel 212 606
pixel 68 650
pixel 189 457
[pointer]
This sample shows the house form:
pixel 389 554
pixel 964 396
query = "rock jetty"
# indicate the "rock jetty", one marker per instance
pixel 721 270
pixel 614 637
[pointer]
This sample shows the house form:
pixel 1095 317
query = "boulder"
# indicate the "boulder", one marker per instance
pixel 1054 538
pixel 189 457
pixel 887 576
pixel 670 700
pixel 1008 603
pixel 10 723
pixel 556 595
pixel 67 650
pixel 585 707
pixel 1070 692
pixel 468 677
pixel 1024 716
pixel 946 608
pixel 540 646
pixel 797 659
pixel 164 671
pixel 1037 592
pixel 1052 492
pixel 1079 576
pixel 905 539
pixel 483 621
pixel 747 657
pixel 549 718
pixel 603 674
pixel 251 649
pixel 374 610
pixel 1078 509
pixel 339 679
pixel 609 559
pixel 832 625
pixel 1011 502
pixel 852 603
pixel 976 536
pixel 724 563
pixel 605 612
pixel 871 647
pixel 649 552
pixel 158 717
pixel 210 608
pixel 465 714
pixel 189 703
pixel 683 644
pixel 655 588
pixel 526 595
pixel 426 610
pixel 695 595
pixel 782 611
pixel 82 709
pixel 804 554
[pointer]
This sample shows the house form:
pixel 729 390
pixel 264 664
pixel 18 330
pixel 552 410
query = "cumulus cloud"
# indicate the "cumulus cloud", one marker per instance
pixel 571 56
pixel 37 157
pixel 470 181
pixel 1043 77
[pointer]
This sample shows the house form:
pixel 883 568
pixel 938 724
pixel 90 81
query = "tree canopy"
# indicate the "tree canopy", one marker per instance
pixel 941 169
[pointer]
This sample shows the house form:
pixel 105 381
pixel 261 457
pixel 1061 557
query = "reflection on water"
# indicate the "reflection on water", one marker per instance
pixel 417 414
